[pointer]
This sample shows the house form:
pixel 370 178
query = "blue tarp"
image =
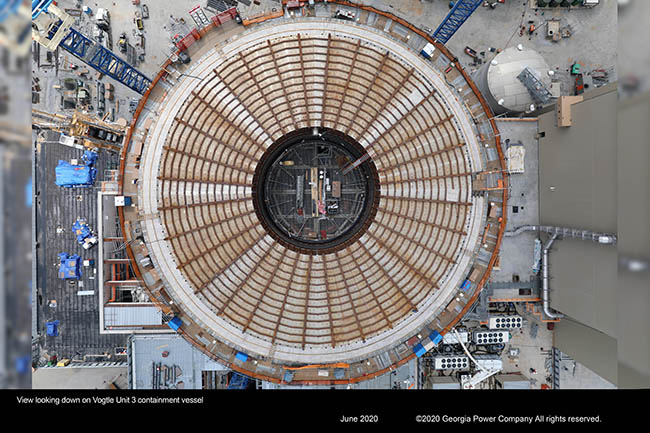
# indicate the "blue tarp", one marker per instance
pixel 75 176
pixel 419 350
pixel 81 230
pixel 467 284
pixel 435 337
pixel 89 157
pixel 69 267
pixel 241 356
pixel 52 328
pixel 175 323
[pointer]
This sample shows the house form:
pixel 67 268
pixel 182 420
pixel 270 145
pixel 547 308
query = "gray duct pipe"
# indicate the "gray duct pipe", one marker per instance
pixel 545 290
pixel 601 238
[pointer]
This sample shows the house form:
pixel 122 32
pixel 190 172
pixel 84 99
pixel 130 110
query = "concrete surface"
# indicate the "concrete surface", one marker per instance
pixel 574 375
pixel 533 351
pixel 517 253
pixel 593 42
pixel 79 377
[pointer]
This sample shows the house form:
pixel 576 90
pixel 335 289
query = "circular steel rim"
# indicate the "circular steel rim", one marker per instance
pixel 363 221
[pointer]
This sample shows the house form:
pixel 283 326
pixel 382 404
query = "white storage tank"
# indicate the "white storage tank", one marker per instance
pixel 499 84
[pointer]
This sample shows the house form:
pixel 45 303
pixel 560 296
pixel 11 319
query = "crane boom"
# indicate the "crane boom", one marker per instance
pixel 53 29
pixel 455 18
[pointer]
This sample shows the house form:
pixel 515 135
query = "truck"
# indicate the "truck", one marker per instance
pixel 102 19
pixel 427 51
pixel 122 42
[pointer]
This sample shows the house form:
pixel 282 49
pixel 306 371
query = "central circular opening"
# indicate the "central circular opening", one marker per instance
pixel 316 190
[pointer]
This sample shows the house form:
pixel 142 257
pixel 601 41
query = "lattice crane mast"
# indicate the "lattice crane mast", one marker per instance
pixel 455 18
pixel 52 28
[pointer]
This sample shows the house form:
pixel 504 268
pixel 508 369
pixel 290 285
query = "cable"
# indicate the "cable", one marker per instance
pixel 467 351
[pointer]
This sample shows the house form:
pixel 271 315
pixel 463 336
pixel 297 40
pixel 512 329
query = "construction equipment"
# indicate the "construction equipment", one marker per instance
pixel 93 132
pixel 102 19
pixel 470 382
pixel 460 12
pixel 580 86
pixel 237 381
pixel 122 42
pixel 52 28
pixel 84 234
pixel 345 15
pixel 199 17
pixel 575 68
pixel 536 88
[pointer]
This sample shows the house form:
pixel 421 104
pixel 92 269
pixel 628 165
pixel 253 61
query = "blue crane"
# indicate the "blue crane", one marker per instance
pixel 458 14
pixel 54 29
pixel 238 381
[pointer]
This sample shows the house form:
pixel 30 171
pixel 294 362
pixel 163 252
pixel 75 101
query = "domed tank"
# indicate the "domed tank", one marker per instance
pixel 500 86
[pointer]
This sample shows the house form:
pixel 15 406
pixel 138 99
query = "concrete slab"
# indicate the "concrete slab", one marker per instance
pixel 574 375
pixel 80 378
pixel 517 253
pixel 534 349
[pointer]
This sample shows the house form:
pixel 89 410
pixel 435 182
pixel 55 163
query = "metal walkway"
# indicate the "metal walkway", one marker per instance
pixel 536 88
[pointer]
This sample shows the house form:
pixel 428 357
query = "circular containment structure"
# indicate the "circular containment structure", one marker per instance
pixel 500 86
pixel 312 201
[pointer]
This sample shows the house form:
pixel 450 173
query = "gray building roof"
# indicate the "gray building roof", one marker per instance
pixel 577 165
pixel 578 189
pixel 145 350
pixel 132 315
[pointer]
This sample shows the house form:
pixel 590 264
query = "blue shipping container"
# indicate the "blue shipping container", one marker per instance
pixel 435 337
pixel 175 323
pixel 419 350
pixel 52 328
